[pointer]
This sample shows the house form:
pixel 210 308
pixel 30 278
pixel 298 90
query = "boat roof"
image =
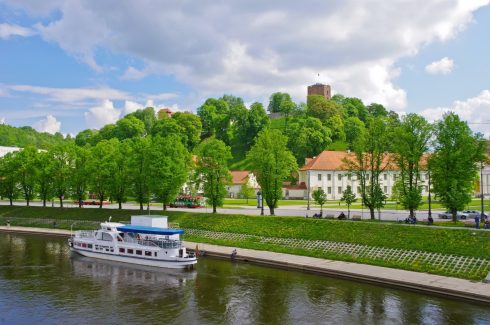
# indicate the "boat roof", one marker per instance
pixel 150 230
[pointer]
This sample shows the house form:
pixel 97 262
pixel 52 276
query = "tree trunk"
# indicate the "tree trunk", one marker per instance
pixel 120 205
pixel 11 203
pixel 411 213
pixel 321 209
pixel 164 207
pixel 61 202
pixel 101 200
pixel 371 212
pixel 27 202
pixel 214 208
pixel 455 218
pixel 348 212
pixel 271 209
pixel 141 205
pixel 44 202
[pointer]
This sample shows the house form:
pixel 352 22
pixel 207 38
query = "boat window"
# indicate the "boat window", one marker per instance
pixel 138 252
pixel 89 245
pixel 155 253
pixel 147 253
pixel 121 250
pixel 130 251
pixel 106 236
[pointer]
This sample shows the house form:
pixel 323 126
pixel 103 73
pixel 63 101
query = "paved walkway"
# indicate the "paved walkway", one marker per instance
pixel 435 284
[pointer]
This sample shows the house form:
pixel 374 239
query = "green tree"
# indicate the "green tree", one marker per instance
pixel 169 168
pixel 121 174
pixel 272 164
pixel 455 162
pixel 276 100
pixel 353 129
pixel 169 126
pixel 62 170
pixel 215 118
pixel 45 166
pixel 377 110
pixel 8 180
pixel 81 173
pixel 370 160
pixel 246 191
pixel 212 166
pixel 245 130
pixel 147 116
pixel 348 197
pixel 129 127
pixel 307 137
pixel 102 168
pixel 192 128
pixel 320 198
pixel 329 112
pixel 27 171
pixel 410 143
pixel 139 164
pixel 85 137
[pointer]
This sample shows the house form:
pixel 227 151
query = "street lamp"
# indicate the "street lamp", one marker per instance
pixel 481 192
pixel 308 174
pixel 430 207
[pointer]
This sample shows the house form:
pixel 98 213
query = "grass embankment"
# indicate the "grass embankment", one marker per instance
pixel 461 242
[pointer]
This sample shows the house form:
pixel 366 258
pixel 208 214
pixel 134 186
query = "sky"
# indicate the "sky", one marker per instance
pixel 66 66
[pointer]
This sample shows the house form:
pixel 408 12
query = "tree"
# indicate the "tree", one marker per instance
pixel 454 164
pixel 246 191
pixel 370 160
pixel 85 137
pixel 45 166
pixel 276 100
pixel 348 197
pixel 8 179
pixel 410 143
pixel 121 178
pixel 129 127
pixel 102 168
pixel 245 130
pixel 272 164
pixel 353 129
pixel 307 137
pixel 215 118
pixel 320 198
pixel 81 173
pixel 139 164
pixel 147 116
pixel 212 166
pixel 377 110
pixel 62 170
pixel 27 171
pixel 287 107
pixel 192 128
pixel 329 112
pixel 169 168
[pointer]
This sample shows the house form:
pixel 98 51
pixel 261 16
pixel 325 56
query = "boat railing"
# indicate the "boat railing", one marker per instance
pixel 85 234
pixel 162 243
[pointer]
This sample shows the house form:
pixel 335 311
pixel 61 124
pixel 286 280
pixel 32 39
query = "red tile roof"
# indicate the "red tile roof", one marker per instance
pixel 336 160
pixel 239 176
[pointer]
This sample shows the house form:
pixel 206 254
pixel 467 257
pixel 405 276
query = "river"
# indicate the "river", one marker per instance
pixel 42 283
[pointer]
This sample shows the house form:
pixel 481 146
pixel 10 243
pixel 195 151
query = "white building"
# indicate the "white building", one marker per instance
pixel 329 172
pixel 240 177
pixel 6 150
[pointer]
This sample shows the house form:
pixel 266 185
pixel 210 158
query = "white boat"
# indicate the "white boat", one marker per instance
pixel 146 241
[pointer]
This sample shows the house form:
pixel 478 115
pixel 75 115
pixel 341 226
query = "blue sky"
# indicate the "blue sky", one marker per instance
pixel 66 66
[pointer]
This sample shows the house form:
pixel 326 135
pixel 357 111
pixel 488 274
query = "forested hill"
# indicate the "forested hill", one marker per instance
pixel 11 136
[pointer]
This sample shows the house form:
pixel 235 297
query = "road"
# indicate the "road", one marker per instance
pixel 291 210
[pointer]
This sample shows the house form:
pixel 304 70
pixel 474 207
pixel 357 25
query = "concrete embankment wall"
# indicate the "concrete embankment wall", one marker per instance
pixel 414 281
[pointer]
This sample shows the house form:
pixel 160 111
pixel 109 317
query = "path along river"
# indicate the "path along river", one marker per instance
pixel 41 283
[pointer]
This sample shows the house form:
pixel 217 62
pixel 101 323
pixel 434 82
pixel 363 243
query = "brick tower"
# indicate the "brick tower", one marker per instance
pixel 320 89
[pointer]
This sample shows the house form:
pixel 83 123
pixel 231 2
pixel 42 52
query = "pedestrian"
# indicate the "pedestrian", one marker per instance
pixel 233 254
pixel 477 222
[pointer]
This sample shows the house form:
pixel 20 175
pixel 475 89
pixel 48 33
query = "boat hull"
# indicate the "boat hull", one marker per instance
pixel 173 264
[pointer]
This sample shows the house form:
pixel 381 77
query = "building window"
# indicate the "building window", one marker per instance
pixel 339 190
pixel 319 177
pixel 122 250
pixel 386 189
pixel 385 176
pixel 130 251
pixel 329 177
pixel 426 176
pixel 138 252
pixel 339 177
pixel 329 190
pixel 349 177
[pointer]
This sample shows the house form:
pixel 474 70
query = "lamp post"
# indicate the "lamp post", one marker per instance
pixel 430 207
pixel 308 174
pixel 481 192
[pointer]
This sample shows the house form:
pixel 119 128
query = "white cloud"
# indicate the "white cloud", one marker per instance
pixel 70 95
pixel 252 49
pixel 49 124
pixel 130 107
pixel 2 120
pixel 9 30
pixel 474 110
pixel 443 66
pixel 103 114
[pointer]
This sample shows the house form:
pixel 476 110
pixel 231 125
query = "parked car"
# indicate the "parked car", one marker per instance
pixel 473 214
pixel 449 215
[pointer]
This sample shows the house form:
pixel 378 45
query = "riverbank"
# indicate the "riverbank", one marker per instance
pixel 415 281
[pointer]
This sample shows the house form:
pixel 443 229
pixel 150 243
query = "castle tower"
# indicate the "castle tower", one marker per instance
pixel 320 89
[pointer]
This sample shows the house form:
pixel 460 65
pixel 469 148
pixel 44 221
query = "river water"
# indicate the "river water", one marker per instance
pixel 42 283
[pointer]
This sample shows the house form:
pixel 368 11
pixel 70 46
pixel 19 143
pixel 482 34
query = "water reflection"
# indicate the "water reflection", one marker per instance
pixel 40 282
